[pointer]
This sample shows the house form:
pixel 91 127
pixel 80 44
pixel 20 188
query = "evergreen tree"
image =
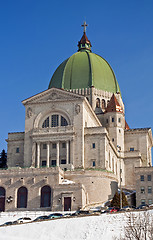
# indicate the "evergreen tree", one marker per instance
pixel 124 200
pixel 3 159
pixel 116 200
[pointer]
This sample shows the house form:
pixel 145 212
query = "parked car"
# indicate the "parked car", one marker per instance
pixel 55 215
pixel 108 210
pixel 6 224
pixel 40 218
pixel 143 206
pixel 114 209
pixel 81 212
pixel 22 220
pixel 128 208
pixel 67 215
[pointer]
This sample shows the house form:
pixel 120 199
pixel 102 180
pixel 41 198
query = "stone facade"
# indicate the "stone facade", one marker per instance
pixel 144 185
pixel 72 150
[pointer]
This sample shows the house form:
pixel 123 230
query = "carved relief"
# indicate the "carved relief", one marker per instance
pixel 29 112
pixel 77 108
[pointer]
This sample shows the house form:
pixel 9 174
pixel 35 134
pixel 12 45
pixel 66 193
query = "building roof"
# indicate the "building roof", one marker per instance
pixel 113 105
pixel 126 125
pixel 85 69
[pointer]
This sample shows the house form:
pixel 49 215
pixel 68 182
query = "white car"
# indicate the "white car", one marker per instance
pixel 23 220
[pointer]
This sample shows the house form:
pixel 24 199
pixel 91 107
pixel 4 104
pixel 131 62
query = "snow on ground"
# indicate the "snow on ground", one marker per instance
pixel 102 227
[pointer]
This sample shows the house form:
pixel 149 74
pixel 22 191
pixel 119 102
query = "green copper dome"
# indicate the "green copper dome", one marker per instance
pixel 85 69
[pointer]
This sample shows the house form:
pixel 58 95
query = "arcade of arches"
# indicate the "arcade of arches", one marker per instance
pixel 22 197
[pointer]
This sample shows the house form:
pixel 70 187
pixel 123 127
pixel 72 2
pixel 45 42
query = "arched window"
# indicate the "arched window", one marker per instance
pixel 46 123
pixel 103 104
pixel 2 199
pixel 54 121
pixel 108 102
pixel 45 196
pixel 22 197
pixel 97 103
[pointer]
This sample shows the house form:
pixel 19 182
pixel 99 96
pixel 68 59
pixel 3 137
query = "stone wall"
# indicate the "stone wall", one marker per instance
pixel 144 185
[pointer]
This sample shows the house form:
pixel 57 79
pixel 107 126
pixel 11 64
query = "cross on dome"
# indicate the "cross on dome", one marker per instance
pixel 84 25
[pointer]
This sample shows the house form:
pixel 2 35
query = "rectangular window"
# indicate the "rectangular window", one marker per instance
pixel 132 149
pixel 63 145
pixel 93 164
pixel 43 163
pixel 142 190
pixel 142 178
pixel 44 146
pixel 63 161
pixel 143 201
pixel 93 145
pixel 53 163
pixel 107 120
pixel 55 121
pixel 112 119
pixel 149 177
pixel 149 189
pixel 17 150
pixel 54 145
pixel 150 201
pixel 119 120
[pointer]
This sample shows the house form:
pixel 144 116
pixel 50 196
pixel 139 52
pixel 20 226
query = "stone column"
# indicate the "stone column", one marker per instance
pixel 57 154
pixel 48 154
pixel 33 154
pixel 67 152
pixel 72 152
pixel 38 154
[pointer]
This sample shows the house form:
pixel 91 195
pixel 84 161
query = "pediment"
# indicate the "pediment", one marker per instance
pixel 52 94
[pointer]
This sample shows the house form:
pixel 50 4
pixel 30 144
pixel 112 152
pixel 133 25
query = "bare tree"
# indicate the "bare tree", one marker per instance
pixel 138 226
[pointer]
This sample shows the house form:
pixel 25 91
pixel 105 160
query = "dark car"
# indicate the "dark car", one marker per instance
pixel 143 206
pixel 55 215
pixel 108 210
pixel 40 218
pixel 81 212
pixel 128 208
pixel 7 224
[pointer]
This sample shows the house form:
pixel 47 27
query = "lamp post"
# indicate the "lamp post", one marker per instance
pixel 120 185
pixel 119 150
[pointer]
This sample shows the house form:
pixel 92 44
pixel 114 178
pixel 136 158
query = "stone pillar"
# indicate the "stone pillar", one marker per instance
pixel 38 154
pixel 33 154
pixel 57 154
pixel 67 152
pixel 48 154
pixel 72 152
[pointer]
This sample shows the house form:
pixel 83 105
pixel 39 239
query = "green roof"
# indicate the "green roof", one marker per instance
pixel 85 69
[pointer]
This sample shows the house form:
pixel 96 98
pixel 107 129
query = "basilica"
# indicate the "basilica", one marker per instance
pixel 77 146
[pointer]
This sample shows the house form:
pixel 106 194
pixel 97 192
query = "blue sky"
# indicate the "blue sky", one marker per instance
pixel 37 35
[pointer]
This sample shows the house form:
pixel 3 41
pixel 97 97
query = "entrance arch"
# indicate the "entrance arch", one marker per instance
pixel 45 196
pixel 22 197
pixel 2 199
